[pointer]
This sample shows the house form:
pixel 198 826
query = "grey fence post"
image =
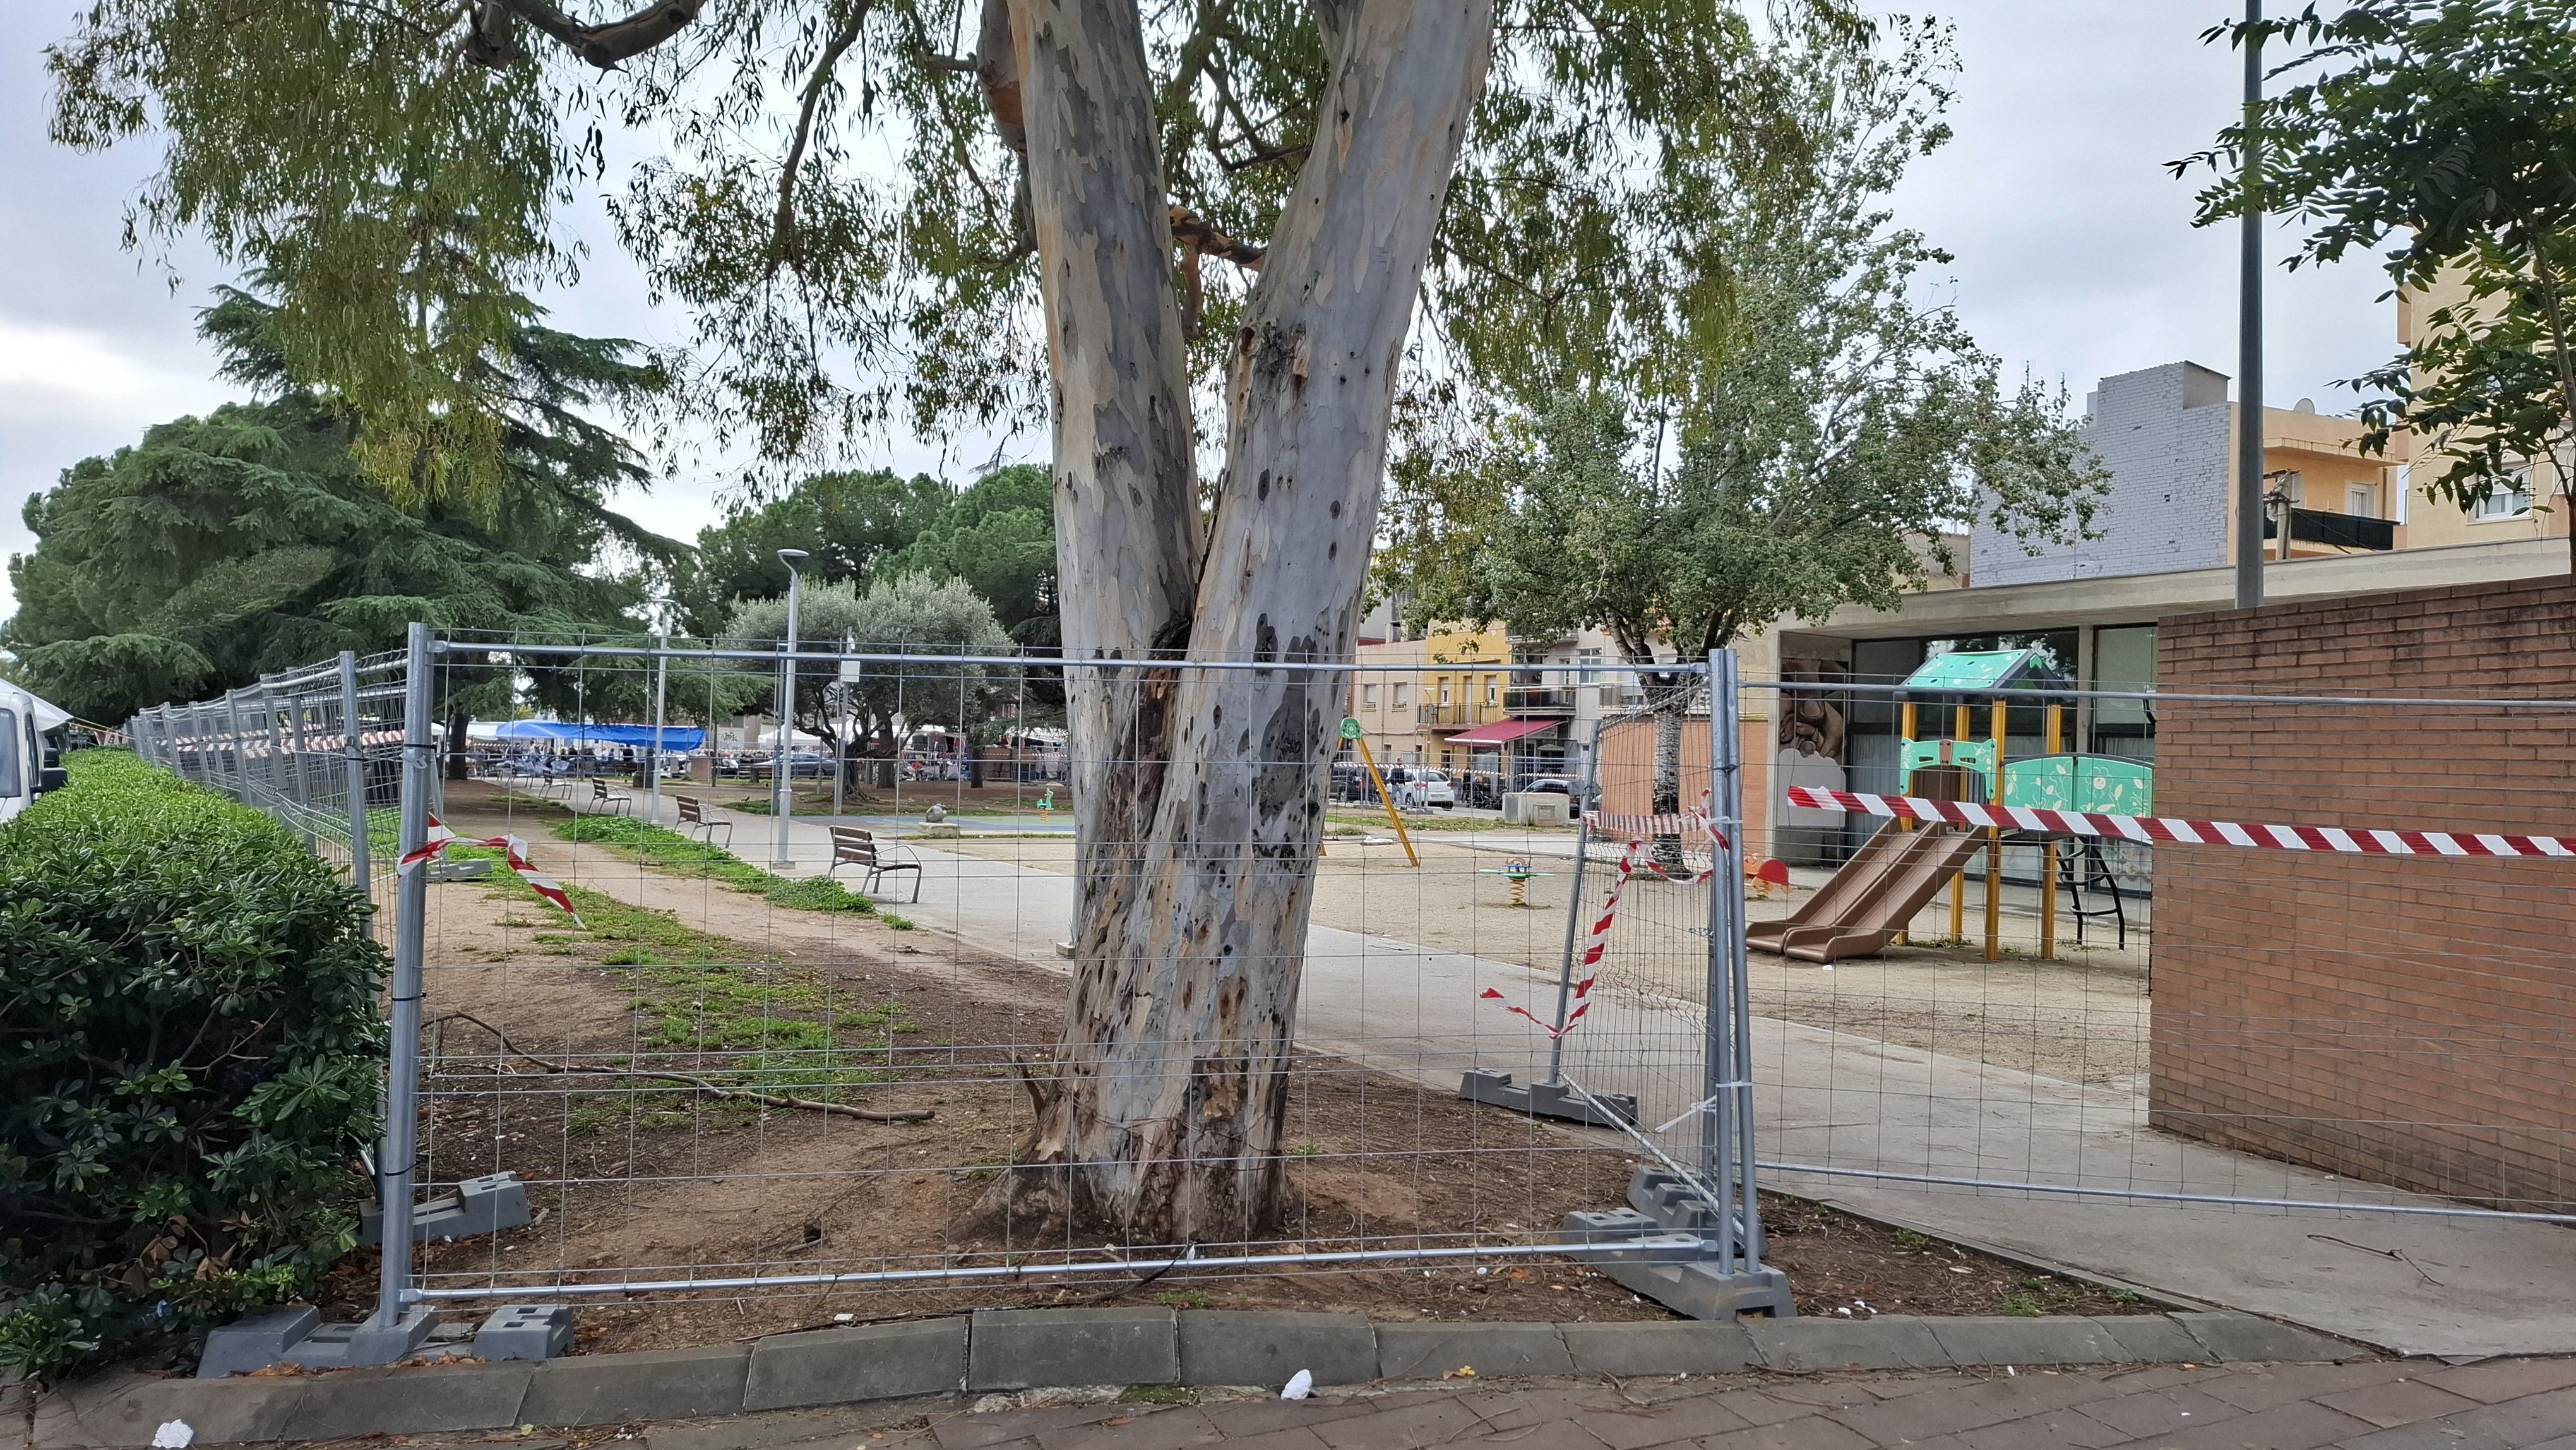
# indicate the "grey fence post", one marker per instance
pixel 1726 1132
pixel 1574 904
pixel 354 755
pixel 241 748
pixel 394 1331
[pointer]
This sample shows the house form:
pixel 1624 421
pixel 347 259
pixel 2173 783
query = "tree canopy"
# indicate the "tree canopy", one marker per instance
pixel 2441 135
pixel 901 614
pixel 251 540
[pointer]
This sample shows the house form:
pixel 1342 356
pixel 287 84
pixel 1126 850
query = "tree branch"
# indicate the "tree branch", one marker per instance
pixel 1201 236
pixel 601 45
pixel 783 224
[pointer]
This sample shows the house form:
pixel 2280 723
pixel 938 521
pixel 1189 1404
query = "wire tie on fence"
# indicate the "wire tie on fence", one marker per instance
pixel 1703 1105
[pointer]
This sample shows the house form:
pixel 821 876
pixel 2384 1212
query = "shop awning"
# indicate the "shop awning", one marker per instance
pixel 1501 732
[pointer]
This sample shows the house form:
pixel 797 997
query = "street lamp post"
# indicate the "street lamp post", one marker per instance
pixel 661 689
pixel 849 680
pixel 780 796
pixel 2249 335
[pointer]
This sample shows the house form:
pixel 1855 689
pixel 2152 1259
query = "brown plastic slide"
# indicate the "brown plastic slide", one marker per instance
pixel 1872 898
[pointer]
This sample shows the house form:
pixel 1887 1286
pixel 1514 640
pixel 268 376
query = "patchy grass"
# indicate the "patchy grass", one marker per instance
pixel 667 850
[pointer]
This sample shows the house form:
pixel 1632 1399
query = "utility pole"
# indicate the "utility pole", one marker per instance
pixel 2249 338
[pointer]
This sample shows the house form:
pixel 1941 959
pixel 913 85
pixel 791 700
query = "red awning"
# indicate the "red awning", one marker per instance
pixel 1502 732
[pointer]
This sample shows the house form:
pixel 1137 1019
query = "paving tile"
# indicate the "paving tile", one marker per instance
pixel 2157 1411
pixel 2504 1379
pixel 973 1432
pixel 1665 1424
pixel 1294 1437
pixel 1511 1409
pixel 2513 1425
pixel 1898 1387
pixel 1431 1420
pixel 2301 1426
pixel 1246 1418
pixel 1760 1407
pixel 1789 1435
pixel 2396 1402
pixel 2261 1389
pixel 1137 1428
pixel 1543 1435
pixel 2050 1430
pixel 1967 1407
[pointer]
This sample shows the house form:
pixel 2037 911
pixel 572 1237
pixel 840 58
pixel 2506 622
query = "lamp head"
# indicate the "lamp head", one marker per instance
pixel 792 558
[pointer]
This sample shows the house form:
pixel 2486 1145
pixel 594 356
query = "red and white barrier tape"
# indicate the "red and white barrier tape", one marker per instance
pixel 2173 830
pixel 512 848
pixel 1631 861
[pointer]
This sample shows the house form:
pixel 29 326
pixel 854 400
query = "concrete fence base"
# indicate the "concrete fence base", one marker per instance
pixel 1023 1349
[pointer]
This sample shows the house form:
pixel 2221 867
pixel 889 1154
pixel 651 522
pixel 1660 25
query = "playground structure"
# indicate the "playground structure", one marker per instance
pixel 1872 899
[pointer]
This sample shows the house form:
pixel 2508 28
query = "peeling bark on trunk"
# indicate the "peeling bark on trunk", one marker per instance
pixel 1198 793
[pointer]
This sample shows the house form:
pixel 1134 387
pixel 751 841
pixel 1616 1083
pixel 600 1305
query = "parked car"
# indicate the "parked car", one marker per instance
pixel 1436 789
pixel 801 765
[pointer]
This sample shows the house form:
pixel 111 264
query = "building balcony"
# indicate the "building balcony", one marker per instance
pixel 1458 716
pixel 1529 701
pixel 2335 531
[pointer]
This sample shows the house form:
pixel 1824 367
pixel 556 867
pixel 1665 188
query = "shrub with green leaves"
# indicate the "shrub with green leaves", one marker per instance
pixel 190 1060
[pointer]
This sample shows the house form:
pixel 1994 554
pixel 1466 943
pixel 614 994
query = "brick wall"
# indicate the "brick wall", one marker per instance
pixel 2163 432
pixel 2404 1020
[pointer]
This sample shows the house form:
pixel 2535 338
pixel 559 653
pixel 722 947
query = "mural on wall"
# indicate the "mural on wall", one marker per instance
pixel 1813 743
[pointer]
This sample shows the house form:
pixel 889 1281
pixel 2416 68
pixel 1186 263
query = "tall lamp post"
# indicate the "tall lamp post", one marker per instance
pixel 780 796
pixel 2250 512
pixel 661 608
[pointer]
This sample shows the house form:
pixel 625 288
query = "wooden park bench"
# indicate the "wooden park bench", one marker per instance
pixel 852 846
pixel 604 801
pixel 693 817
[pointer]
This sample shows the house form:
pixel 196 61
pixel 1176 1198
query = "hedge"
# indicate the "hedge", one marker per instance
pixel 190 1064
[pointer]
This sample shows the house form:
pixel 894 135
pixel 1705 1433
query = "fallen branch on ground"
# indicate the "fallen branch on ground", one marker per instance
pixel 704 1085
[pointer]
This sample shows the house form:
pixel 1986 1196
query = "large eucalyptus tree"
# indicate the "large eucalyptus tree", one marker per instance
pixel 1195 230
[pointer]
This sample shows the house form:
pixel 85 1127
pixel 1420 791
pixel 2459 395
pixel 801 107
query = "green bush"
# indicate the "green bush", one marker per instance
pixel 190 1059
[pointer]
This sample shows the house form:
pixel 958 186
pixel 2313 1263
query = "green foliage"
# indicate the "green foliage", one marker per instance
pixel 827 290
pixel 668 850
pixel 250 540
pixel 2436 133
pixel 1831 424
pixel 190 1060
pixel 912 613
pixel 848 522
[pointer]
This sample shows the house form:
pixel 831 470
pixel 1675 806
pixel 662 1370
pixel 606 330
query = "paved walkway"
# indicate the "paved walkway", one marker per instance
pixel 2410 1284
pixel 2384 1405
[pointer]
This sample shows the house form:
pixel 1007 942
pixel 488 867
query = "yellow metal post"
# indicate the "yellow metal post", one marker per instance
pixel 2056 729
pixel 1959 727
pixel 1995 846
pixel 1394 817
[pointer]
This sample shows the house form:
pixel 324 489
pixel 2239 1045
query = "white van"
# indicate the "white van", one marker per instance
pixel 29 765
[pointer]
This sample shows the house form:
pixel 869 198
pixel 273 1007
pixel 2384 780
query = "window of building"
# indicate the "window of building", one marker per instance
pixel 1368 696
pixel 2361 500
pixel 1444 690
pixel 2507 502
pixel 1403 695
pixel 1493 690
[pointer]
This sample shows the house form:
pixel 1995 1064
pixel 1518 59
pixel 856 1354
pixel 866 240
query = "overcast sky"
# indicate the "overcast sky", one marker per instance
pixel 2076 257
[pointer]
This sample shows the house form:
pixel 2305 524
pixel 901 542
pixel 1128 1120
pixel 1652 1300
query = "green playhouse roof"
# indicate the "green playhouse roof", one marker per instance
pixel 1978 671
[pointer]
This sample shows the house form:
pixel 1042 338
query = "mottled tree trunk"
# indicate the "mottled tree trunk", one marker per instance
pixel 1199 793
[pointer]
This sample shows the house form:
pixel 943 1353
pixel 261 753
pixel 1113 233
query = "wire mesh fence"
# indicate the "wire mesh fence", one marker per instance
pixel 944 986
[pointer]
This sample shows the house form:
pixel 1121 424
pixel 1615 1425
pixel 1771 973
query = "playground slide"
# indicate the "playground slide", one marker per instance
pixel 1872 897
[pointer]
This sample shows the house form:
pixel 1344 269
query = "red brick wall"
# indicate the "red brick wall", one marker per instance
pixel 2405 1020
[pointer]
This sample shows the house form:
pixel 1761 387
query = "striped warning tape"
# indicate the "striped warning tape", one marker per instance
pixel 512 848
pixel 313 744
pixel 2173 830
pixel 1631 861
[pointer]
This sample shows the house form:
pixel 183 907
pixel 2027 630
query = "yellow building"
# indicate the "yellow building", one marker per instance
pixel 2430 521
pixel 1411 695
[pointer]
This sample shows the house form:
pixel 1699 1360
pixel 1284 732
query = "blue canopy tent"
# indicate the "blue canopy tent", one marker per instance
pixel 680 739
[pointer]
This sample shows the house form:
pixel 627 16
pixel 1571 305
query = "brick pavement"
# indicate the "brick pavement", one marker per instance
pixel 2374 1405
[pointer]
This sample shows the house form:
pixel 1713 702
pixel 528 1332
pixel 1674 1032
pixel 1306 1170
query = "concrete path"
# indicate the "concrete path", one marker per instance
pixel 2417 1284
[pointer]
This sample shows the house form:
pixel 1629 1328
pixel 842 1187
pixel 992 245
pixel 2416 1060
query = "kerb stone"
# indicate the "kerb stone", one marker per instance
pixel 1493 1351
pixel 2012 1340
pixel 1026 1349
pixel 418 1401
pixel 1621 1350
pixel 863 1362
pixel 125 1411
pixel 1223 1347
pixel 1891 1341
pixel 2244 1338
pixel 2151 1339
pixel 662 1384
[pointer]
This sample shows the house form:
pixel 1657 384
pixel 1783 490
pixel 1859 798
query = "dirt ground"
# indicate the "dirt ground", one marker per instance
pixel 637 1179
pixel 2083 1019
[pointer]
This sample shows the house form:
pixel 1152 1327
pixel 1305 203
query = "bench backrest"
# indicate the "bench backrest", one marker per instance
pixel 598 789
pixel 851 844
pixel 689 810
